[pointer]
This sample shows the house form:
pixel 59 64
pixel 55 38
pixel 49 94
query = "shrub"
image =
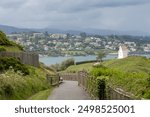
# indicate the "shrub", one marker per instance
pixel 101 87
pixel 15 86
pixel 2 49
pixel 7 62
pixel 135 83
pixel 65 64
pixel 6 42
pixel 3 39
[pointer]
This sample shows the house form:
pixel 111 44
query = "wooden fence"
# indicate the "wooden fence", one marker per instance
pixel 69 76
pixel 82 79
pixel 118 94
pixel 53 79
pixel 23 57
pixel 89 83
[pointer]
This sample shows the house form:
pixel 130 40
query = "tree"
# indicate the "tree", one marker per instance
pixel 68 35
pixel 83 35
pixel 100 56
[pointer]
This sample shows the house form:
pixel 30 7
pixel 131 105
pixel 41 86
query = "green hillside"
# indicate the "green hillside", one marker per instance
pixel 7 45
pixel 133 64
pixel 132 74
pixel 80 67
pixel 18 80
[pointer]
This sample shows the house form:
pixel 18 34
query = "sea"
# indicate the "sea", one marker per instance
pixel 49 60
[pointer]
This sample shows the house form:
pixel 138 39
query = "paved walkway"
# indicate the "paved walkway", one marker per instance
pixel 68 90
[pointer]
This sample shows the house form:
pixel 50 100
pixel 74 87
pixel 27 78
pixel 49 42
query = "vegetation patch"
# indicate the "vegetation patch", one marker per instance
pixel 130 74
pixel 2 49
pixel 10 62
pixel 17 80
pixel 16 86
pixel 64 65
pixel 80 67
pixel 6 43
pixel 42 95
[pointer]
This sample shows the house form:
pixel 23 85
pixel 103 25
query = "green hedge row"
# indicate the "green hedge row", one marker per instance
pixel 97 87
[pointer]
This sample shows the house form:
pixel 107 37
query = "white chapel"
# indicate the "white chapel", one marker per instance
pixel 123 52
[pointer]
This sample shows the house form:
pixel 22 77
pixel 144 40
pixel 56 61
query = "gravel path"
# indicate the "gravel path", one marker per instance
pixel 68 90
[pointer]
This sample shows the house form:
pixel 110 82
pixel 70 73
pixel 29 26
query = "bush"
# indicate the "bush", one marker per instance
pixel 101 88
pixel 2 49
pixel 135 83
pixel 7 62
pixel 65 64
pixel 15 86
pixel 6 42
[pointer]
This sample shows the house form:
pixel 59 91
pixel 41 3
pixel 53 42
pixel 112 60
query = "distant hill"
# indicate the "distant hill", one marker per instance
pixel 11 29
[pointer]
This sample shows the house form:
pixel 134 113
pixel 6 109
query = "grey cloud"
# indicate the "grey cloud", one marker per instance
pixel 68 5
pixel 107 14
pixel 6 4
pixel 84 5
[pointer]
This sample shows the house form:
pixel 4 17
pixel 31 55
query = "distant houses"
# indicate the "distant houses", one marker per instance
pixel 122 52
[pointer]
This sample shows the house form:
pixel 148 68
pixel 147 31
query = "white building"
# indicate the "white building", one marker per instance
pixel 123 52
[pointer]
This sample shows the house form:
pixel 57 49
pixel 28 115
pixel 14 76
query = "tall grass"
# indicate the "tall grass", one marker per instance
pixel 16 86
pixel 135 83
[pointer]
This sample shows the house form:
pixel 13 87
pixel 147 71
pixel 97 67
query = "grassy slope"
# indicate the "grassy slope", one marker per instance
pixel 130 64
pixel 76 68
pixel 16 86
pixel 135 69
pixel 42 95
pixel 9 45
pixel 11 48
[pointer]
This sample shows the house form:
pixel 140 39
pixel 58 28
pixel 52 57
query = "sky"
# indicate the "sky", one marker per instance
pixel 124 15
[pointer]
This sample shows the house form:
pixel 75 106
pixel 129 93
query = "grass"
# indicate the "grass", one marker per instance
pixel 130 64
pixel 76 68
pixel 11 48
pixel 17 86
pixel 8 45
pixel 13 84
pixel 42 95
pixel 132 74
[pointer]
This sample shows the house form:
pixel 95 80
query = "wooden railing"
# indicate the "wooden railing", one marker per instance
pixel 88 83
pixel 53 79
pixel 69 76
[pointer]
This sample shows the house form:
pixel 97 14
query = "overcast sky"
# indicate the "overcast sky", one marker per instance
pixel 77 14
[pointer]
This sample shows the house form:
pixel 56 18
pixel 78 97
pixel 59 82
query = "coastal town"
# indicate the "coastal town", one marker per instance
pixel 47 44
